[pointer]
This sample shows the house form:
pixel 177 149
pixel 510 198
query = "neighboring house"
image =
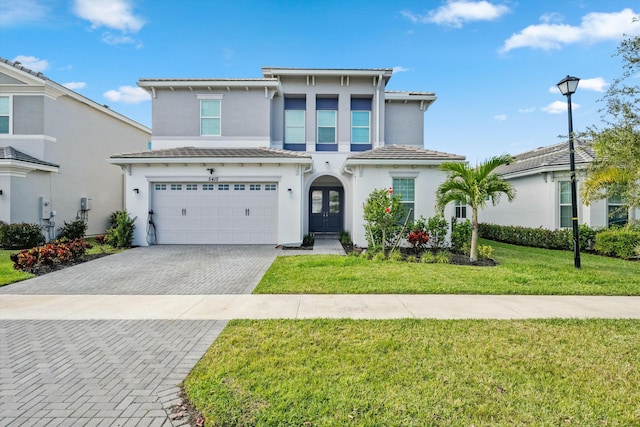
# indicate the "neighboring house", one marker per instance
pixel 269 160
pixel 542 179
pixel 54 148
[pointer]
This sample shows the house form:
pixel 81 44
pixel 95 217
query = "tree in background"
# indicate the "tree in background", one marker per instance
pixel 473 186
pixel 616 169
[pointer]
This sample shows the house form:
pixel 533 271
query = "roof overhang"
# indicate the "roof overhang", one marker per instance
pixel 397 162
pixel 20 169
pixel 542 169
pixel 207 160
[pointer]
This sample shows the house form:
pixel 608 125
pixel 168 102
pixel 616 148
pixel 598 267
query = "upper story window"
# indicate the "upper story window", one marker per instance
pixel 405 188
pixel 565 204
pixel 327 120
pixel 461 209
pixel 294 120
pixel 210 117
pixel 617 214
pixel 5 114
pixel 360 120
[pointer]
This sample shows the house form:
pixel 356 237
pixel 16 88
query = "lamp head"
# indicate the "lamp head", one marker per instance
pixel 568 85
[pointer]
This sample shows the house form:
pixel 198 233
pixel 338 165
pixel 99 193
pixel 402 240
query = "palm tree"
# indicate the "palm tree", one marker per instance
pixel 473 186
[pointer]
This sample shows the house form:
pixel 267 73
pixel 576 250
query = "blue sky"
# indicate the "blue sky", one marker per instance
pixel 493 64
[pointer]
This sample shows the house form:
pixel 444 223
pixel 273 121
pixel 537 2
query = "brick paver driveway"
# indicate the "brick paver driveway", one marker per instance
pixel 117 372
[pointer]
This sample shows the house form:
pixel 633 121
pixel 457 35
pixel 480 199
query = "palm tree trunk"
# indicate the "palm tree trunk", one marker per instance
pixel 474 235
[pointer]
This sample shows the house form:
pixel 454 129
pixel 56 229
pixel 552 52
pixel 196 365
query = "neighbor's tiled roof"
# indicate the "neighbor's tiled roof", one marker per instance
pixel 20 67
pixel 10 153
pixel 404 152
pixel 551 156
pixel 190 152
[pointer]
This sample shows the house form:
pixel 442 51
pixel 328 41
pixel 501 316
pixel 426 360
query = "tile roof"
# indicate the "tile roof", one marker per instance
pixel 404 152
pixel 551 156
pixel 20 67
pixel 191 152
pixel 10 153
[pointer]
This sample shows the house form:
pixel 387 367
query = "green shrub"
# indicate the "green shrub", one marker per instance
pixel 20 236
pixel 437 227
pixel 308 240
pixel 121 235
pixel 428 257
pixel 461 236
pixel 539 237
pixel 443 257
pixel 72 231
pixel 618 242
pixel 366 254
pixel 396 256
pixel 412 258
pixel 379 257
pixel 485 251
pixel 345 238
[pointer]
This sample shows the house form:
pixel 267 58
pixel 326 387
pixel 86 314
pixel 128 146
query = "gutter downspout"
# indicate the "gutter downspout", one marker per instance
pixel 378 111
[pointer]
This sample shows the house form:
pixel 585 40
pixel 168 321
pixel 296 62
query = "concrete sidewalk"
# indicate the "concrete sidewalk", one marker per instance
pixel 225 307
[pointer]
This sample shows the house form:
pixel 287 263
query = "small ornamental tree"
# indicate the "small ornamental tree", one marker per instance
pixel 383 218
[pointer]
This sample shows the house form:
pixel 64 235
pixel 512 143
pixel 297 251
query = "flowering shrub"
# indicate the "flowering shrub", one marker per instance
pixel 51 254
pixel 418 240
pixel 383 218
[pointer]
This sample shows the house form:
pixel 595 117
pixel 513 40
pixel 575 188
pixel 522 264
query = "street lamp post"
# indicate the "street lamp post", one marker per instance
pixel 568 86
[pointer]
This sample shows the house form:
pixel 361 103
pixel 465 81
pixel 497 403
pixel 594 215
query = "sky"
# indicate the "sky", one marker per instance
pixel 493 64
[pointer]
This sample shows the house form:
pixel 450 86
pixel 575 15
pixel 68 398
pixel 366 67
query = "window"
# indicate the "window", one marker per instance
pixel 223 187
pixel 294 119
pixel 4 115
pixel 327 116
pixel 405 188
pixel 161 187
pixel 269 187
pixel 176 187
pixel 617 214
pixel 360 120
pixel 565 204
pixel 238 187
pixel 210 117
pixel 254 187
pixel 208 187
pixel 461 209
pixel 192 187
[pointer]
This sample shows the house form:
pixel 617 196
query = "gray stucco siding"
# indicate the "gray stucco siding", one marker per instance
pixel 7 80
pixel 404 124
pixel 28 115
pixel 243 113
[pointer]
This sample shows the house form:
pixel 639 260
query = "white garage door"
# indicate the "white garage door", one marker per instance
pixel 220 213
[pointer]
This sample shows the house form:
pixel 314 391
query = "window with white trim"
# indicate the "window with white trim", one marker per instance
pixel 254 187
pixel 238 187
pixel 327 120
pixel 208 187
pixel 617 214
pixel 192 187
pixel 269 187
pixel 5 115
pixel 564 190
pixel 405 188
pixel 461 209
pixel 223 187
pixel 360 120
pixel 161 187
pixel 176 187
pixel 294 120
pixel 210 117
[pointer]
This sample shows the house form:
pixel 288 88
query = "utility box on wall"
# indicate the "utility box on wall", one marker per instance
pixel 85 204
pixel 45 208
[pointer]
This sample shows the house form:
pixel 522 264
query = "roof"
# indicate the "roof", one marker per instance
pixel 59 89
pixel 289 71
pixel 10 153
pixel 215 153
pixel 404 152
pixel 551 157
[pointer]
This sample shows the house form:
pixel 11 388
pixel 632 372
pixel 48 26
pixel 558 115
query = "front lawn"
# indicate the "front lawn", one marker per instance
pixel 420 372
pixel 520 270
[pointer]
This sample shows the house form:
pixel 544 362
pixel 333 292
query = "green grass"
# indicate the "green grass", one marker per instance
pixel 521 270
pixel 9 275
pixel 420 373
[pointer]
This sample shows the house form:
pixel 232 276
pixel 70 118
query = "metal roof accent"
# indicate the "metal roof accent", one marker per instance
pixel 10 153
pixel 404 152
pixel 550 157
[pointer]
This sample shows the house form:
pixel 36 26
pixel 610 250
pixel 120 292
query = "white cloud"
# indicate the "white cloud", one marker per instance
pixel 457 12
pixel 526 110
pixel 559 107
pixel 113 39
pixel 127 95
pixel 75 85
pixel 400 69
pixel 597 84
pixel 15 13
pixel 32 63
pixel 595 27
pixel 500 117
pixel 115 14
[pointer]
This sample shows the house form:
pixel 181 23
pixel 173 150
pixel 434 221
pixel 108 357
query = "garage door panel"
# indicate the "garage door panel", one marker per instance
pixel 196 213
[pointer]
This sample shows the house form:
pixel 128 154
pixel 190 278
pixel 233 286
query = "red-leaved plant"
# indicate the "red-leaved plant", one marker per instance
pixel 418 240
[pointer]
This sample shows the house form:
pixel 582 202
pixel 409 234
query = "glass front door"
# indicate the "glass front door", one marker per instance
pixel 325 209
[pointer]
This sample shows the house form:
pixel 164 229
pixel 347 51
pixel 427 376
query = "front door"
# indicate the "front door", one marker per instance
pixel 325 209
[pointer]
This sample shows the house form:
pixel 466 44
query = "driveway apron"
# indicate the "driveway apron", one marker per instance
pixel 117 372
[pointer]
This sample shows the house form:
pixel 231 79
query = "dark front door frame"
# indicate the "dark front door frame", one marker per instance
pixel 327 215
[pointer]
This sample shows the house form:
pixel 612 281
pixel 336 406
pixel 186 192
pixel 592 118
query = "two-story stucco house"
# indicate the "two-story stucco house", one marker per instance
pixel 542 179
pixel 54 151
pixel 268 160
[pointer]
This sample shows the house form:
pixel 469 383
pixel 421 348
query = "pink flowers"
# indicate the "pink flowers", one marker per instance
pixel 387 209
pixel 390 190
